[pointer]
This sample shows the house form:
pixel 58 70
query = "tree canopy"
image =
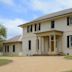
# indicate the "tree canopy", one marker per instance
pixel 2 32
pixel 2 36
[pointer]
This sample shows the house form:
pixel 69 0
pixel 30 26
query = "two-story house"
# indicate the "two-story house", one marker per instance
pixel 48 35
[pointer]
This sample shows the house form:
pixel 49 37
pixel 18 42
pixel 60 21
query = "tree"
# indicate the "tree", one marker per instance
pixel 2 35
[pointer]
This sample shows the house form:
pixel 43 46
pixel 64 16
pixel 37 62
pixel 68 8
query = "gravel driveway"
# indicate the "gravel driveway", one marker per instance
pixel 37 64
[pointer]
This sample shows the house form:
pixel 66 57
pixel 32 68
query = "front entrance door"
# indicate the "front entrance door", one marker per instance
pixel 52 46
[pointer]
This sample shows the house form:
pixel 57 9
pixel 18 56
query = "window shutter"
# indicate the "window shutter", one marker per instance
pixel 67 41
pixel 68 21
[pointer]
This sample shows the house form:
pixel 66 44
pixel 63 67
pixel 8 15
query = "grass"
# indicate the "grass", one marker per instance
pixel 67 71
pixel 68 57
pixel 4 62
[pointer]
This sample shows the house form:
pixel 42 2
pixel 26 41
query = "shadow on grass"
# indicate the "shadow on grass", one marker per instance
pixel 68 57
pixel 5 62
pixel 67 71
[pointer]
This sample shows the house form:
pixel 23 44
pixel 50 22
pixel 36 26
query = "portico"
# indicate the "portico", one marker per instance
pixel 49 42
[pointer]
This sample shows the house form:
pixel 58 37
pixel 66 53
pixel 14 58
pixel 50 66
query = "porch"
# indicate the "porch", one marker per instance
pixel 49 43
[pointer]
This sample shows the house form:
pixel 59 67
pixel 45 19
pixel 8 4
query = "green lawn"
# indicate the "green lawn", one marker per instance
pixel 4 61
pixel 68 71
pixel 68 57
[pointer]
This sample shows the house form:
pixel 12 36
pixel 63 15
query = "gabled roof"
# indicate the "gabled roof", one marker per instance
pixel 14 39
pixel 48 16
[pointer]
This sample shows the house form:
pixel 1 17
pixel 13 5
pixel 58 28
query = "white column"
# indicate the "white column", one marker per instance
pixel 42 45
pixel 36 45
pixel 49 43
pixel 55 49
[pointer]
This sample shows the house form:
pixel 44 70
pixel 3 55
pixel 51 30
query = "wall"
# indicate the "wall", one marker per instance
pixel 60 24
pixel 18 49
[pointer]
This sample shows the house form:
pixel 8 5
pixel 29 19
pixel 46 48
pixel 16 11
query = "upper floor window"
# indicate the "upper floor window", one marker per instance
pixel 69 20
pixel 35 27
pixel 38 27
pixel 69 41
pixel 29 28
pixel 13 48
pixel 52 24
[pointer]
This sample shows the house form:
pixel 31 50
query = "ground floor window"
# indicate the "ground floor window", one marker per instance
pixel 29 44
pixel 7 48
pixel 13 48
pixel 69 41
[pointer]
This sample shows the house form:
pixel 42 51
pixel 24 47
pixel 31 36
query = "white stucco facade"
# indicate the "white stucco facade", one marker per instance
pixel 13 46
pixel 18 49
pixel 60 33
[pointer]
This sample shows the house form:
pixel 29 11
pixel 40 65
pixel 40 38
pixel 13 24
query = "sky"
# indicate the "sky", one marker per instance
pixel 16 12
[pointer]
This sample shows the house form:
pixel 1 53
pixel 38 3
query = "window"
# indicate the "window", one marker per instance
pixel 35 27
pixel 29 28
pixel 7 48
pixel 69 41
pixel 69 21
pixel 13 48
pixel 52 37
pixel 38 27
pixel 52 24
pixel 29 44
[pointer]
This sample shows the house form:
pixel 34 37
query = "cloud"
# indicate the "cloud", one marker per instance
pixel 47 6
pixel 7 2
pixel 65 3
pixel 12 26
